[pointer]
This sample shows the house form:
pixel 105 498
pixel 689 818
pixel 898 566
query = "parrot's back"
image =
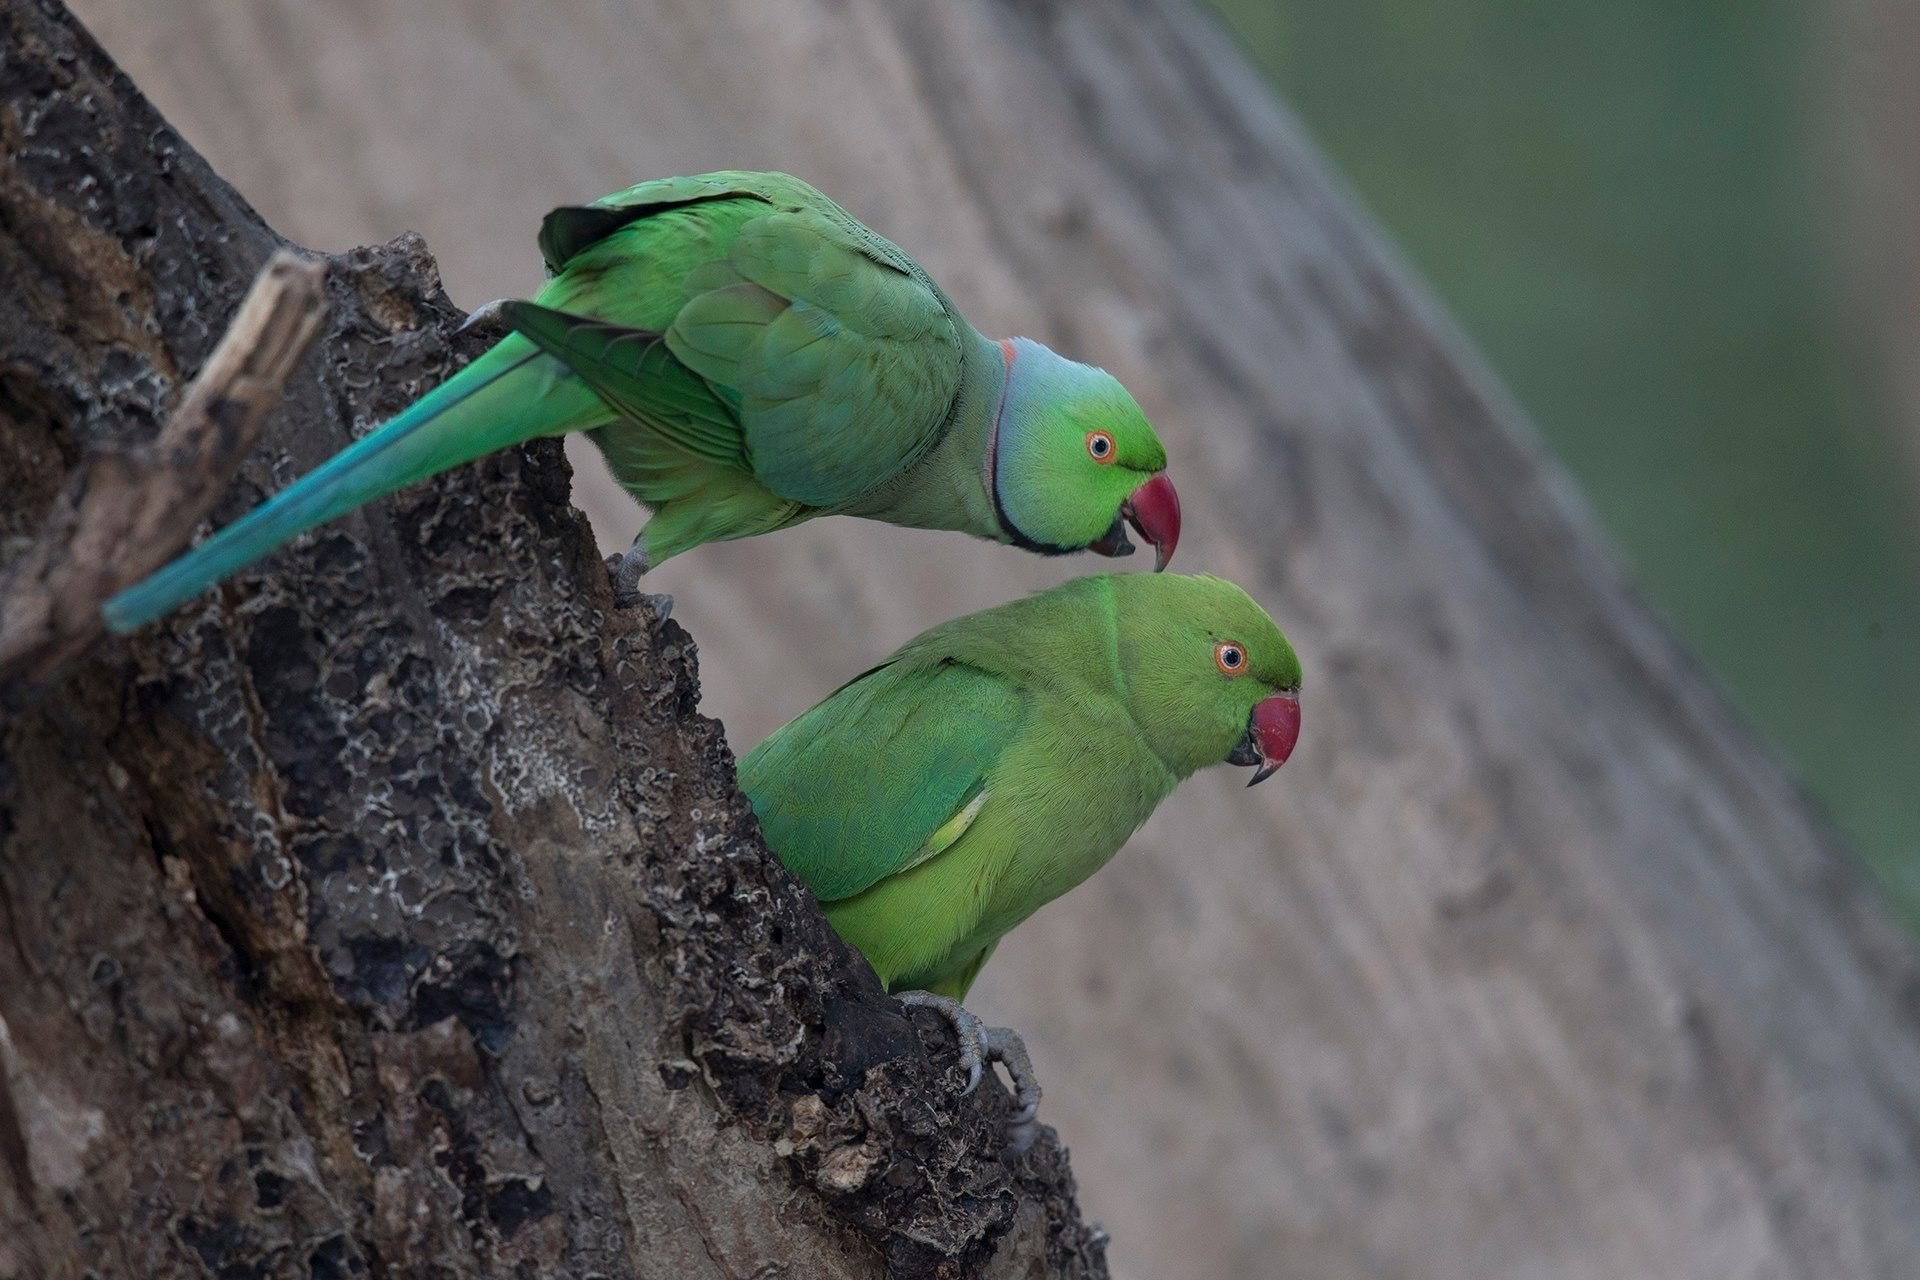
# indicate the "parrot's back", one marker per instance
pixel 771 358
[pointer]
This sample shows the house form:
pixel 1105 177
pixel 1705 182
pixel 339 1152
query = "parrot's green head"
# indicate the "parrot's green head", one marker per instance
pixel 1209 677
pixel 1073 461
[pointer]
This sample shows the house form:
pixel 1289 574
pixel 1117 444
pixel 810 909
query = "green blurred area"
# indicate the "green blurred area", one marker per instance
pixel 1629 208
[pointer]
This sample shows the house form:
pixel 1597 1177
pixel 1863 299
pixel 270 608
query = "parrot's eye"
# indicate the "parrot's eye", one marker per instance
pixel 1230 658
pixel 1100 447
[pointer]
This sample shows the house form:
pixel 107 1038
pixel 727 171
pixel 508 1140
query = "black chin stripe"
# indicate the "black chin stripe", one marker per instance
pixel 1012 530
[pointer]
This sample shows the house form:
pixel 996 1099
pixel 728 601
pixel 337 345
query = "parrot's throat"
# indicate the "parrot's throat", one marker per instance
pixel 1009 353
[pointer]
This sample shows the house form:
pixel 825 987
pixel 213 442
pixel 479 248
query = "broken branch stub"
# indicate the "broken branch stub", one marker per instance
pixel 126 513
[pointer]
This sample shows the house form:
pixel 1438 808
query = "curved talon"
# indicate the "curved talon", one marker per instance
pixel 1005 1046
pixel 981 1045
pixel 972 1034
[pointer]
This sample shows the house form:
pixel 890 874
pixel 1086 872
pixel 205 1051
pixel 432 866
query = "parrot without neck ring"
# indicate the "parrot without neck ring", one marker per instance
pixel 747 356
pixel 996 761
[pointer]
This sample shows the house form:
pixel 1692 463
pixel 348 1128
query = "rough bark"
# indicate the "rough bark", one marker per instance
pixel 392 912
pixel 1531 962
pixel 127 513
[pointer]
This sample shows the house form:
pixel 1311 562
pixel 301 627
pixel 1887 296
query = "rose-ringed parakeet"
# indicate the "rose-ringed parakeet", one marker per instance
pixel 747 356
pixel 997 760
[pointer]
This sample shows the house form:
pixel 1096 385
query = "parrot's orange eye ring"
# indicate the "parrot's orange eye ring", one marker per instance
pixel 1230 658
pixel 1100 447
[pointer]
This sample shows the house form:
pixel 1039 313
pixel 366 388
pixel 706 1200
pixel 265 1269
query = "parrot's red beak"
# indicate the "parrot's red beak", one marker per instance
pixel 1154 511
pixel 1273 729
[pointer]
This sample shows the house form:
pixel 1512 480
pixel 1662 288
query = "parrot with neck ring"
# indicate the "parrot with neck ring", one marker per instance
pixel 748 356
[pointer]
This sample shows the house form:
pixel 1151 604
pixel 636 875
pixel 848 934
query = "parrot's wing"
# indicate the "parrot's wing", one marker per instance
pixel 632 370
pixel 571 228
pixel 567 230
pixel 882 776
pixel 830 350
pixel 836 352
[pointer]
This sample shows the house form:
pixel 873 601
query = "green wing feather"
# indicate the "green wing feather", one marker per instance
pixel 883 775
pixel 569 230
pixel 566 231
pixel 831 355
pixel 845 364
pixel 632 370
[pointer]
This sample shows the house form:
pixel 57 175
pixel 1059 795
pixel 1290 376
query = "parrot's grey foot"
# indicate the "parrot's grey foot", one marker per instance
pixel 980 1045
pixel 626 571
pixel 487 313
pixel 967 1029
pixel 1005 1047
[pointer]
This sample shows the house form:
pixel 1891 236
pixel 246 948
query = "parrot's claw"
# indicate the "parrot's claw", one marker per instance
pixel 967 1029
pixel 487 313
pixel 980 1045
pixel 626 571
pixel 1005 1046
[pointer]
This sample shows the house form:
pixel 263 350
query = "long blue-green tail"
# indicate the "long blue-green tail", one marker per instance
pixel 510 394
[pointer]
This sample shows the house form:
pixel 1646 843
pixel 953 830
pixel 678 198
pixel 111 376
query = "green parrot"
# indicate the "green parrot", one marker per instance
pixel 997 760
pixel 747 356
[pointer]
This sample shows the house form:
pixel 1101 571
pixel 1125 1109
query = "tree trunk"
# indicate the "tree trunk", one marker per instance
pixel 392 912
pixel 1530 963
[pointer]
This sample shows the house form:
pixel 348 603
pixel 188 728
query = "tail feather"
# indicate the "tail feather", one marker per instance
pixel 507 396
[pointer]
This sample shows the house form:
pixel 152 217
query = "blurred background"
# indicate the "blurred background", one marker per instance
pixel 1683 232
